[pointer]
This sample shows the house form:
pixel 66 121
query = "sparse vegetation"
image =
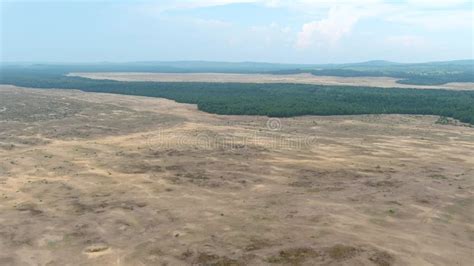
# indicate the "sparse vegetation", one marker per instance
pixel 215 260
pixel 382 258
pixel 117 161
pixel 439 177
pixel 442 120
pixel 293 256
pixel 340 252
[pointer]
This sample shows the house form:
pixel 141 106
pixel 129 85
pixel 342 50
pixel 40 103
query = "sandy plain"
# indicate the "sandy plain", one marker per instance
pixel 102 179
pixel 384 82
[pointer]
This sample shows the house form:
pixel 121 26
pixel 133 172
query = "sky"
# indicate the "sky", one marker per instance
pixel 297 31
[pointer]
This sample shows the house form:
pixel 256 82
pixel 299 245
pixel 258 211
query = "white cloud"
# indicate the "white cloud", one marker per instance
pixel 272 33
pixel 274 27
pixel 329 21
pixel 343 15
pixel 211 23
pixel 155 8
pixel 339 22
pixel 318 4
pixel 209 3
pixel 437 3
pixel 406 41
pixel 306 6
pixel 435 20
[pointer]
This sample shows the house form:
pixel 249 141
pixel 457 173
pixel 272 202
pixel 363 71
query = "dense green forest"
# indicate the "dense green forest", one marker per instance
pixel 415 74
pixel 278 100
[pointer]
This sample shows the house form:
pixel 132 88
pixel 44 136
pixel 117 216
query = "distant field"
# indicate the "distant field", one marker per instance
pixel 305 78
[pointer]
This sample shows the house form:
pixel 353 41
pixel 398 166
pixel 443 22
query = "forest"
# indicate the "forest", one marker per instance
pixel 275 100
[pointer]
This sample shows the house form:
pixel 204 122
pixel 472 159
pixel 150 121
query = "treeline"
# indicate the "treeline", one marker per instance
pixel 277 100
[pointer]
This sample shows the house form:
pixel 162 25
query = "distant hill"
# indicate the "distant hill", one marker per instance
pixel 430 73
pixel 166 66
pixel 243 67
pixel 372 63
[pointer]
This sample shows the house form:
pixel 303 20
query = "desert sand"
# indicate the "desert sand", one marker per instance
pixel 102 179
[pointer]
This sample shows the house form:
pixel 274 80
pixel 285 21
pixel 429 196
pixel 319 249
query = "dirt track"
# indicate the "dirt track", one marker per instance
pixel 98 179
pixel 384 82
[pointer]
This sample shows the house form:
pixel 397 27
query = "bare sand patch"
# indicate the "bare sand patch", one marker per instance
pixel 172 185
pixel 384 82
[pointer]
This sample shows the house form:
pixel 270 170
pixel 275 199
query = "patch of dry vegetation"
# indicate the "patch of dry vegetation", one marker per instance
pixel 384 82
pixel 164 186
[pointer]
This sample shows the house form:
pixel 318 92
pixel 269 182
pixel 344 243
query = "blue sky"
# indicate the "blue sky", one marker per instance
pixel 298 31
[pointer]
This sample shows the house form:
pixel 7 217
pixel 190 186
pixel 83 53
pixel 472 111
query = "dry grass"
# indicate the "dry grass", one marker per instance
pixel 122 180
pixel 385 82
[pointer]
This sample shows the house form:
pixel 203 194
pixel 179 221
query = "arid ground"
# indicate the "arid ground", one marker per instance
pixel 385 82
pixel 102 179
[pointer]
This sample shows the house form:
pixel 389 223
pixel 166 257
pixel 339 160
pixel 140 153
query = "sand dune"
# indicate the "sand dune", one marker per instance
pixel 99 179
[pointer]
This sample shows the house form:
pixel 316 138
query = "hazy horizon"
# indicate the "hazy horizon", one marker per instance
pixel 267 31
pixel 230 62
